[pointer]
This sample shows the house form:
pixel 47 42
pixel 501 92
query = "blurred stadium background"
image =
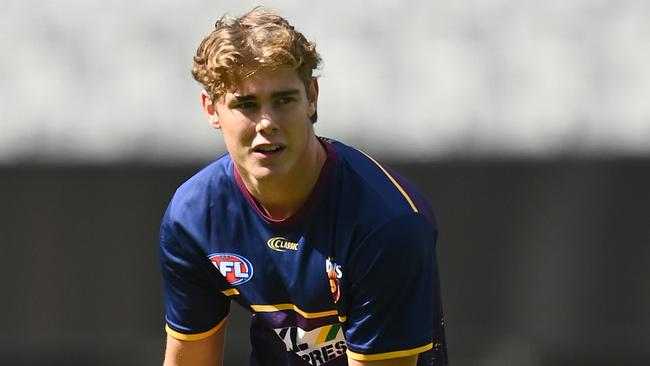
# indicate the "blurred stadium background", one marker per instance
pixel 526 123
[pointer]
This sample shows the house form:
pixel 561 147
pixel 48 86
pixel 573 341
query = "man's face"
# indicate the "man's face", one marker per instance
pixel 265 123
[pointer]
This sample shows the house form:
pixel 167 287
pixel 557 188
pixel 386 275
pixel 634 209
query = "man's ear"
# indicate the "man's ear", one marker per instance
pixel 312 97
pixel 210 109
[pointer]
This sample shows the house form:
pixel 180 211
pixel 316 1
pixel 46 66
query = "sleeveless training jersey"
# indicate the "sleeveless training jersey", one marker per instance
pixel 353 272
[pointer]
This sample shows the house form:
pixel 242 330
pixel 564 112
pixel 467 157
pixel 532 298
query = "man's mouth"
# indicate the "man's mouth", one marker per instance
pixel 268 149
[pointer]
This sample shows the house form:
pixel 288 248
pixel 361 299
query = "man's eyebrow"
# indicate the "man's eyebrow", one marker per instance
pixel 238 98
pixel 243 98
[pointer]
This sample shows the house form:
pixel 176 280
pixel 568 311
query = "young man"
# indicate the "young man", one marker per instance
pixel 333 254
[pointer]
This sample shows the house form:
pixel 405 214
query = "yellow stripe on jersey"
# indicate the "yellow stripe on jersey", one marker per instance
pixel 401 190
pixel 280 307
pixel 388 355
pixel 230 292
pixel 322 334
pixel 196 336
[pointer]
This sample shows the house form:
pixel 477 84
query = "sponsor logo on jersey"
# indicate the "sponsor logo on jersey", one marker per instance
pixel 334 273
pixel 316 346
pixel 233 267
pixel 280 244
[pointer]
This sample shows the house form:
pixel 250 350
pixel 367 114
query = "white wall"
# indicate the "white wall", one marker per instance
pixel 95 81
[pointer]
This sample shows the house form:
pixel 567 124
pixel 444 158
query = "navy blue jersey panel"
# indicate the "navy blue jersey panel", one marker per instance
pixel 353 270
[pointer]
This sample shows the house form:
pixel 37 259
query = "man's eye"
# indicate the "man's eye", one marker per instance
pixel 285 100
pixel 246 106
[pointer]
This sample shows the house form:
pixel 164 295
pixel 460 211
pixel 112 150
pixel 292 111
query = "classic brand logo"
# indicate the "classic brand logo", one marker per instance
pixel 234 268
pixel 280 244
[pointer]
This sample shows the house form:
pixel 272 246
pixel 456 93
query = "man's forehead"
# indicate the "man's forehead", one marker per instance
pixel 265 82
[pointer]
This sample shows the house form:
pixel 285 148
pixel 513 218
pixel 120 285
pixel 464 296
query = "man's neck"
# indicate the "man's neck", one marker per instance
pixel 280 200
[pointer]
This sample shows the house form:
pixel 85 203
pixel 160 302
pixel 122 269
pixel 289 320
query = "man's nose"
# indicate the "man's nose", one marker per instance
pixel 265 124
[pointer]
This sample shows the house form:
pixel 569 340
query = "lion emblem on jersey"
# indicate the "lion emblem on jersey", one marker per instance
pixel 333 274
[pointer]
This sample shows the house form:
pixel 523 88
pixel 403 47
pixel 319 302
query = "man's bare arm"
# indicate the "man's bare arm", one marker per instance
pixel 204 352
pixel 402 361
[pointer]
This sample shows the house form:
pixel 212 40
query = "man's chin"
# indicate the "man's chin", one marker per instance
pixel 267 173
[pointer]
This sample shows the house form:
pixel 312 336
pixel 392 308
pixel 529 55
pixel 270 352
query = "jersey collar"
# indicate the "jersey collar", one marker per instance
pixel 312 201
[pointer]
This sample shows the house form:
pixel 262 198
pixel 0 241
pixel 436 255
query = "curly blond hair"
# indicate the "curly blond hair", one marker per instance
pixel 239 47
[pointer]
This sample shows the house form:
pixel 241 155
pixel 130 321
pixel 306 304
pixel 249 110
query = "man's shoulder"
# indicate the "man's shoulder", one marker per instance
pixel 207 177
pixel 375 188
pixel 197 191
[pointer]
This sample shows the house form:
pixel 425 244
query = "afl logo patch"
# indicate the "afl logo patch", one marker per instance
pixel 234 268
pixel 281 244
